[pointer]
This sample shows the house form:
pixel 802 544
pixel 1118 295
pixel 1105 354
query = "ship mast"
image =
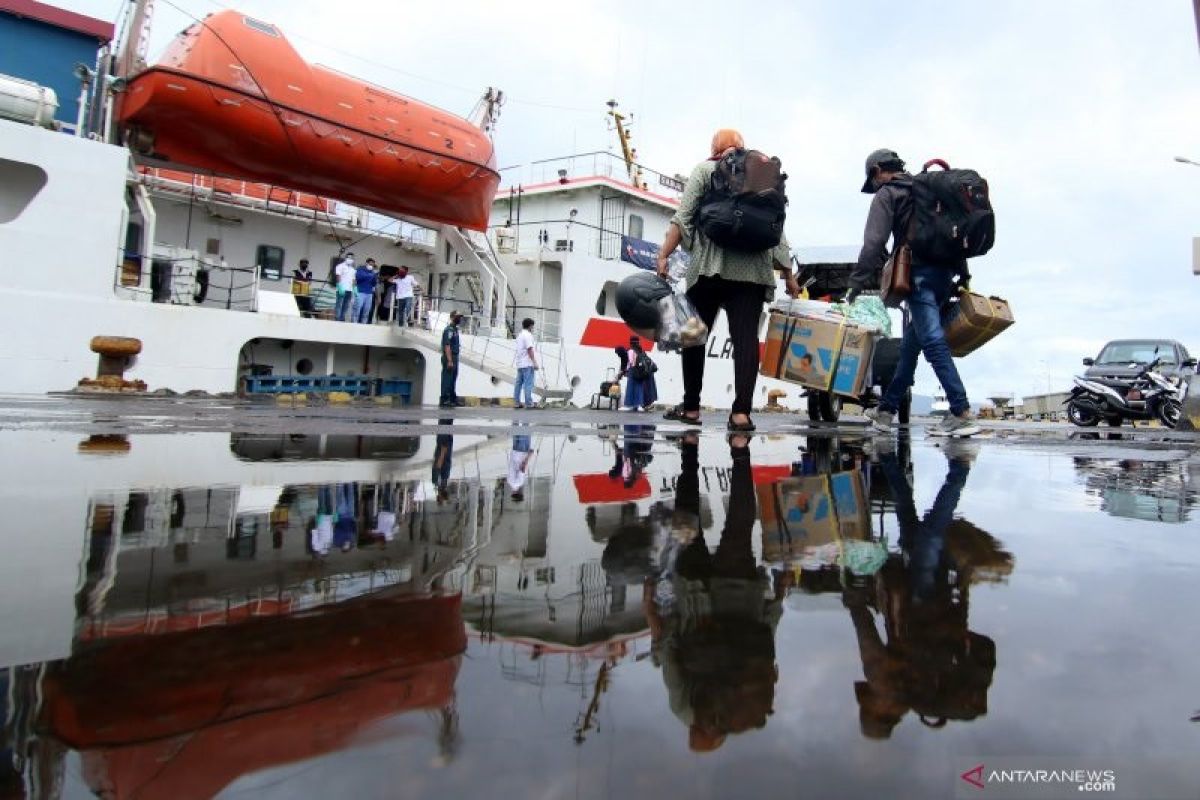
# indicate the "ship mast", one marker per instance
pixel 627 150
pixel 486 113
pixel 134 50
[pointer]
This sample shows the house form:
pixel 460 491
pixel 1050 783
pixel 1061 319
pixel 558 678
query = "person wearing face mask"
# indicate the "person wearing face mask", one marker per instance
pixel 344 274
pixel 932 288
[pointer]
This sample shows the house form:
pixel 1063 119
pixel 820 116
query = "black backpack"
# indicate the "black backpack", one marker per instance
pixel 952 214
pixel 643 368
pixel 745 204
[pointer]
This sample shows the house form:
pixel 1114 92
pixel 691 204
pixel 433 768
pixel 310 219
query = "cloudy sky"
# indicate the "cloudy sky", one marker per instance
pixel 1073 110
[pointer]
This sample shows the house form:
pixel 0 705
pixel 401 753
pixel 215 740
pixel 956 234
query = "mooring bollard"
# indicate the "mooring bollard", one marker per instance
pixel 114 352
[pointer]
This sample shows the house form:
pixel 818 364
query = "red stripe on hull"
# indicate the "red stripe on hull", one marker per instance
pixel 610 333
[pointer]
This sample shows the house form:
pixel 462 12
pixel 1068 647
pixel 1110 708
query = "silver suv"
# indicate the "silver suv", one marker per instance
pixel 1119 358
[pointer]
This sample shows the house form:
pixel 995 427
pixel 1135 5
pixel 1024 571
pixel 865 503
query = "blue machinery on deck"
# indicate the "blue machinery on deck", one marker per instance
pixel 362 386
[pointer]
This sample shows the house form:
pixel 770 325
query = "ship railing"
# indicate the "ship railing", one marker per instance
pixel 556 239
pixel 186 280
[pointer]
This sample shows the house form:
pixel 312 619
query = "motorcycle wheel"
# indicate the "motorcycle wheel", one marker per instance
pixel 814 406
pixel 1170 412
pixel 1080 416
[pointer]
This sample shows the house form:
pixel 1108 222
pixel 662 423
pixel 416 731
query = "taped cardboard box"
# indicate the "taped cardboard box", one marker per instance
pixel 825 352
pixel 975 320
pixel 800 515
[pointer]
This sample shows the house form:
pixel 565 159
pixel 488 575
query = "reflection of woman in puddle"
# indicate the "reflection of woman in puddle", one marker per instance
pixel 634 454
pixel 931 664
pixel 713 630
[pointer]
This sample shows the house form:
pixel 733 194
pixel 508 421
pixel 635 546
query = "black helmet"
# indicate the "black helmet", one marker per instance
pixel 637 300
pixel 885 159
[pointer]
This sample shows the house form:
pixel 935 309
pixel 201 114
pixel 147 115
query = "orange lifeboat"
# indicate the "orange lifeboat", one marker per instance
pixel 231 96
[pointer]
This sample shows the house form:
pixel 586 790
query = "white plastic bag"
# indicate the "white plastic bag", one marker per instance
pixel 679 324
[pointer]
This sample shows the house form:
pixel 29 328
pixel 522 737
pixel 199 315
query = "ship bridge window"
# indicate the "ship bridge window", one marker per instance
pixel 19 184
pixel 261 27
pixel 269 258
pixel 636 226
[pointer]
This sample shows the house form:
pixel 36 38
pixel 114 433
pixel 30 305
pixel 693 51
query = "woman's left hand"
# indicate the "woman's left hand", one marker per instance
pixel 793 285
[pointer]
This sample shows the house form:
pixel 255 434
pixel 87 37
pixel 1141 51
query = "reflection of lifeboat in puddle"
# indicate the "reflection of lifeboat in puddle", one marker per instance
pixel 186 714
pixel 233 97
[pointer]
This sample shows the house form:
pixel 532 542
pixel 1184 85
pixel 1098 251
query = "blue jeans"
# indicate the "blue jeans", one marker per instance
pixel 524 380
pixel 932 288
pixel 403 309
pixel 362 306
pixel 341 309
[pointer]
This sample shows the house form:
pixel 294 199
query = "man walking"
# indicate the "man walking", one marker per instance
pixel 526 365
pixel 450 348
pixel 344 274
pixel 365 278
pixel 932 287
pixel 302 288
pixel 403 284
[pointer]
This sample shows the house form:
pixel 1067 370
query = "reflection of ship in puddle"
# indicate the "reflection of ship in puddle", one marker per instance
pixel 1156 491
pixel 250 648
pixel 289 447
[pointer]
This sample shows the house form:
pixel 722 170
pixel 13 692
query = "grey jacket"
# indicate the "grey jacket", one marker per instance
pixel 890 214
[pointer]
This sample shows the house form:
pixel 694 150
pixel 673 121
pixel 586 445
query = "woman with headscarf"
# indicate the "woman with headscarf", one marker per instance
pixel 718 278
pixel 641 390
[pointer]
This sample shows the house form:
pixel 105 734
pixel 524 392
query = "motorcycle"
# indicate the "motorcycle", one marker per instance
pixel 1148 395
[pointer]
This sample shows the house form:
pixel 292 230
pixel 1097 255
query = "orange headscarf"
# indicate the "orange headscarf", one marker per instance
pixel 723 140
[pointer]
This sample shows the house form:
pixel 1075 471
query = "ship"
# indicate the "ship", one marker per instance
pixel 172 203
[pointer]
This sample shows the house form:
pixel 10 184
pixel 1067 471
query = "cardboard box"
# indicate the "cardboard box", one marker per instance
pixel 975 320
pixel 801 514
pixel 829 353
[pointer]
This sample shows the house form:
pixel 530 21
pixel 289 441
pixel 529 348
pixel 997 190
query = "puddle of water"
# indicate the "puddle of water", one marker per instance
pixel 640 613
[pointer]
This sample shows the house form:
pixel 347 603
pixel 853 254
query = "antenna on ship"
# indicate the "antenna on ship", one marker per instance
pixel 627 149
pixel 486 112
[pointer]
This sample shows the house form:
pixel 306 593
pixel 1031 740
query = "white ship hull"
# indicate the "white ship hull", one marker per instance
pixel 65 214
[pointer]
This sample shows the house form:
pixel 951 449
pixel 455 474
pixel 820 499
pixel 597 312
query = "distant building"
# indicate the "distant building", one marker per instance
pixel 43 43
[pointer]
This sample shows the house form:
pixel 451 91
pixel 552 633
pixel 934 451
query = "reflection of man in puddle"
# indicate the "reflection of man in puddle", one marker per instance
pixel 442 452
pixel 518 465
pixel 713 629
pixel 931 664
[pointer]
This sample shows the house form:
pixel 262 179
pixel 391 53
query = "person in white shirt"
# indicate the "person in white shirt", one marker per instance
pixel 344 273
pixel 526 365
pixel 403 284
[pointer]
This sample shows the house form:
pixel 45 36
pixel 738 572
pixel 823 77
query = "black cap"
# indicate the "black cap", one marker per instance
pixel 881 158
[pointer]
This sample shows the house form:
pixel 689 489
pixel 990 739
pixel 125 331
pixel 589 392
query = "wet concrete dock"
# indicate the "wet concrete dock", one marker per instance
pixel 219 598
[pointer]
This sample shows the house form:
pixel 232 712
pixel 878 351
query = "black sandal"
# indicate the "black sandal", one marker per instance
pixel 679 414
pixel 740 427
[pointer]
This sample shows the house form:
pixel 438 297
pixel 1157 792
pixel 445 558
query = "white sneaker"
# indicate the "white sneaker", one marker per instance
pixel 881 421
pixel 956 425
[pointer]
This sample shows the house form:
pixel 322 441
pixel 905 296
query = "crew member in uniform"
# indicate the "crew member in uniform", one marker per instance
pixel 450 348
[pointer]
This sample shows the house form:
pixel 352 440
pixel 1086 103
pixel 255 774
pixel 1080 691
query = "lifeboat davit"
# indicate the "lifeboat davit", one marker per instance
pixel 232 96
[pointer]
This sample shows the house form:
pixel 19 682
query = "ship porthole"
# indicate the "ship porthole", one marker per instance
pixel 575 381
pixel 495 381
pixel 304 366
pixel 728 388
